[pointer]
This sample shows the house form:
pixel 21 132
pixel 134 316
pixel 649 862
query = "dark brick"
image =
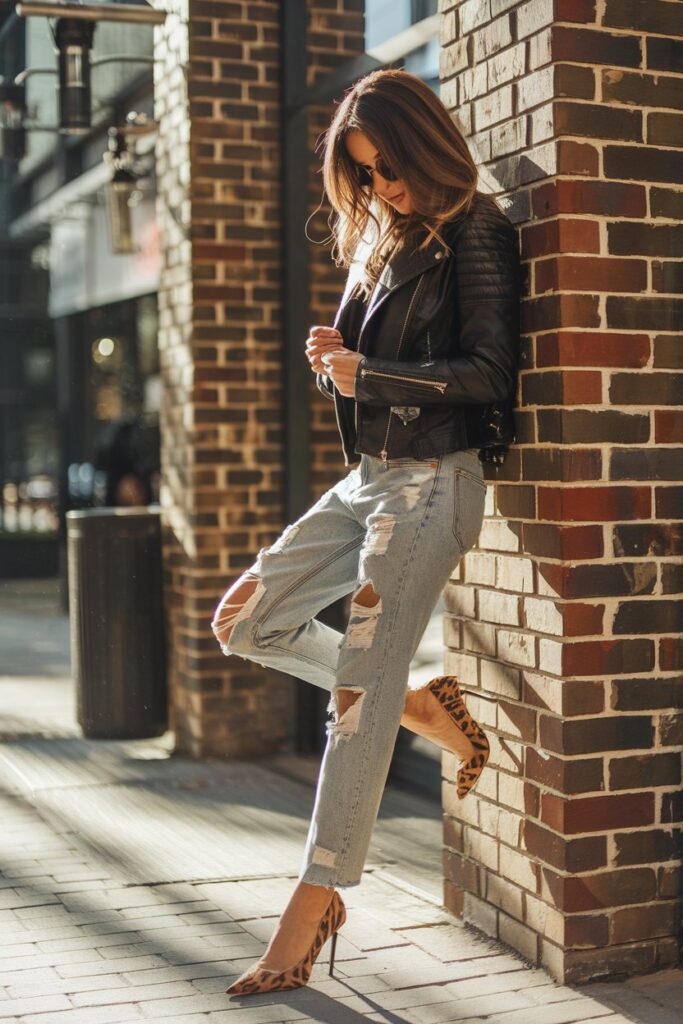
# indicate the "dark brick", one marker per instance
pixel 672 807
pixel 586 931
pixel 564 464
pixel 658 616
pixel 558 540
pixel 657 16
pixel 593 735
pixel 646 389
pixel 664 129
pixel 647 846
pixel 671 730
pixel 648 539
pixel 647 694
pixel 592 120
pixel 585 854
pixel 642 89
pixel 584 965
pixel 574 81
pixel 600 891
pixel 639 314
pixel 668 350
pixel 568 777
pixel 672 578
pixel 638 923
pixel 642 163
pixel 644 771
pixel 664 54
pixel 565 426
pixel 574 581
pixel 591 46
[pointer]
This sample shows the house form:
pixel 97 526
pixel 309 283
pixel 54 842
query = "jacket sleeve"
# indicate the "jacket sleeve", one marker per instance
pixel 487 290
pixel 325 385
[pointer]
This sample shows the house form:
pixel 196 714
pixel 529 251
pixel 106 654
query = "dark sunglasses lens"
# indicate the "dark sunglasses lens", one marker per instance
pixel 365 177
pixel 386 171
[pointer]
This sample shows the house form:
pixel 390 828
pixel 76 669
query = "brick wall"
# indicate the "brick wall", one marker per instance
pixel 218 102
pixel 335 34
pixel 565 621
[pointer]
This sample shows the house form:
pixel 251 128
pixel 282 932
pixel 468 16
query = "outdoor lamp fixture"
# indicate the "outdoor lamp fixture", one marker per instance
pixel 74 40
pixel 12 131
pixel 123 188
pixel 73 34
pixel 120 191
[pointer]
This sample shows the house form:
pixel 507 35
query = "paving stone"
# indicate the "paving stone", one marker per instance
pixel 125 995
pixel 94 929
pixel 102 966
pixel 89 1015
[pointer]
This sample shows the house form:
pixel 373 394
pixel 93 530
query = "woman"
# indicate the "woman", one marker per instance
pixel 417 374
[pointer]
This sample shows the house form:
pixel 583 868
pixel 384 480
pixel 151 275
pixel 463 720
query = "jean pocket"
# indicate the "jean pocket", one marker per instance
pixel 468 507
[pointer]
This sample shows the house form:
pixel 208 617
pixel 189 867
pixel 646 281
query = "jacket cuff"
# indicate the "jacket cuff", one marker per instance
pixel 324 385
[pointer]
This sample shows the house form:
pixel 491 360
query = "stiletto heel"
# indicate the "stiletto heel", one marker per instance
pixel 333 949
pixel 447 692
pixel 260 979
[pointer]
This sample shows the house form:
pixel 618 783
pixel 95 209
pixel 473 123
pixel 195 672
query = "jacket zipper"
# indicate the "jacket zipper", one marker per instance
pixel 384 453
pixel 439 385
pixel 429 348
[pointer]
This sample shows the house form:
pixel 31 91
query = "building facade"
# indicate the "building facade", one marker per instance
pixel 564 622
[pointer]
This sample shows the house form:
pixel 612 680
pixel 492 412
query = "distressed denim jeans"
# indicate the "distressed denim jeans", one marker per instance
pixel 393 534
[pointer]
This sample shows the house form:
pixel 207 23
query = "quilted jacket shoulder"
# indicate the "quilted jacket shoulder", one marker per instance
pixel 486 247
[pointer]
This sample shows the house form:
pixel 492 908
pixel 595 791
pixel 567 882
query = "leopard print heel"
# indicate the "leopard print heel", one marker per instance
pixel 259 979
pixel 447 692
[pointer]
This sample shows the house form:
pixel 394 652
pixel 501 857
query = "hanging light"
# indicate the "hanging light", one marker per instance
pixel 74 38
pixel 12 131
pixel 122 192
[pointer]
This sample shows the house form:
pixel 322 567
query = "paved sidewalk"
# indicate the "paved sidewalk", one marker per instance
pixel 136 885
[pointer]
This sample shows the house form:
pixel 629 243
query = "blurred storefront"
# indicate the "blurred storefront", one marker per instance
pixel 79 350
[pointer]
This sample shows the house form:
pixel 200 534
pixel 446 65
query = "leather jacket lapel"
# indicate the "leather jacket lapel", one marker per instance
pixel 401 268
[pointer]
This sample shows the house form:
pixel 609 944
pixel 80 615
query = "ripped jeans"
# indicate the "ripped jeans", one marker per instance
pixel 393 533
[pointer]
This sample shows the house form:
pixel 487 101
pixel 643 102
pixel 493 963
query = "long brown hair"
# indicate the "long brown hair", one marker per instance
pixel 417 137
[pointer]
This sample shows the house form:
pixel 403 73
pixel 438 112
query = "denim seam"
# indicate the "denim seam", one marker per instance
pixel 356 542
pixel 458 505
pixel 362 760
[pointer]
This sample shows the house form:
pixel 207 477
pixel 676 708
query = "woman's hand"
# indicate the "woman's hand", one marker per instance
pixel 321 339
pixel 326 354
pixel 340 364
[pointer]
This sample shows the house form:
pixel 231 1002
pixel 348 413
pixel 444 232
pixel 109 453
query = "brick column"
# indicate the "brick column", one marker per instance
pixel 218 103
pixel 565 621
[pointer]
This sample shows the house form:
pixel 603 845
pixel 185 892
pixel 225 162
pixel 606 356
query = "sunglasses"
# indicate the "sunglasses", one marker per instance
pixel 365 177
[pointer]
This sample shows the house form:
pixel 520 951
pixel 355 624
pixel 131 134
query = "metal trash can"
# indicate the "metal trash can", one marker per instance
pixel 117 621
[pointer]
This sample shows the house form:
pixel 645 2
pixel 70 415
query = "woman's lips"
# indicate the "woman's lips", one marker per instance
pixel 395 199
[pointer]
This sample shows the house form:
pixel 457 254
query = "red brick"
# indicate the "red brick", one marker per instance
pixel 598 813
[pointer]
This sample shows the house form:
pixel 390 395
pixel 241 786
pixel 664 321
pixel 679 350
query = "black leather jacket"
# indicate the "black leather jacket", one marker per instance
pixel 440 345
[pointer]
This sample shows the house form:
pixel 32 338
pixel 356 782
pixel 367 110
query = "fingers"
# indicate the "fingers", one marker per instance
pixel 320 340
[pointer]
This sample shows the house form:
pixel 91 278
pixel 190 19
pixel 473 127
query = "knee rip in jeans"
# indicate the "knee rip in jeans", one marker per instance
pixel 366 607
pixel 345 704
pixel 229 613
